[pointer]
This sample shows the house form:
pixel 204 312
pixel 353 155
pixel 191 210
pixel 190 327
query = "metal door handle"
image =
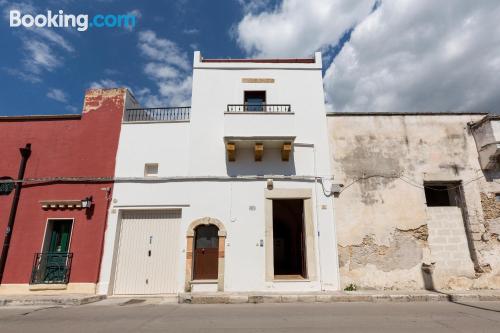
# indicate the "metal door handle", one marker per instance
pixel 149 253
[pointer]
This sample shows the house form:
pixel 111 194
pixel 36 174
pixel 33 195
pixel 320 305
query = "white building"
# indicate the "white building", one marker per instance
pixel 232 194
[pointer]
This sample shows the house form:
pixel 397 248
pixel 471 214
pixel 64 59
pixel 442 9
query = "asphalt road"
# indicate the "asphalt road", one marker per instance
pixel 149 316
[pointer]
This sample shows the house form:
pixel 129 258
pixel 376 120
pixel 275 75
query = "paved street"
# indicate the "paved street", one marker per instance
pixel 150 316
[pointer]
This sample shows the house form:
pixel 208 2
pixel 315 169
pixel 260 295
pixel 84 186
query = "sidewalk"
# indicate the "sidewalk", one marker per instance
pixel 51 300
pixel 371 296
pixel 341 296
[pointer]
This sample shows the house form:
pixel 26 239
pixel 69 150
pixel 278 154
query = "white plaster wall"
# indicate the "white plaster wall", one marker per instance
pixel 216 87
pixel 164 143
pixel 196 149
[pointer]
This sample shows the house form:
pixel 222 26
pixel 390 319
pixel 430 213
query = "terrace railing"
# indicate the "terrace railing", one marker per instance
pixel 157 114
pixel 265 108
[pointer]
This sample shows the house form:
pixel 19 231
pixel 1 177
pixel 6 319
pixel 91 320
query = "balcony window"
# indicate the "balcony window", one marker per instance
pixel 255 101
pixel 53 265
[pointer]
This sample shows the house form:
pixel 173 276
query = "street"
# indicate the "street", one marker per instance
pixel 123 315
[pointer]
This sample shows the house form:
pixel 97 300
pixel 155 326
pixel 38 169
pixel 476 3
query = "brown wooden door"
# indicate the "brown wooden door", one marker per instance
pixel 206 253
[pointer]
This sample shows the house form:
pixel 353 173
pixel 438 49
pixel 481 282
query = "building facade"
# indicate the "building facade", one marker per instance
pixel 420 205
pixel 226 195
pixel 252 188
pixel 58 231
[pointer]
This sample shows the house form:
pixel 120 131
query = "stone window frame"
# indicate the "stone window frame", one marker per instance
pixel 222 233
pixel 309 228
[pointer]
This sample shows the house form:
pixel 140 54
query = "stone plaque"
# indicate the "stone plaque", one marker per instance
pixel 256 80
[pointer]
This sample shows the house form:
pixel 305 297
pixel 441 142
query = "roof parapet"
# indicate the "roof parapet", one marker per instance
pixel 256 63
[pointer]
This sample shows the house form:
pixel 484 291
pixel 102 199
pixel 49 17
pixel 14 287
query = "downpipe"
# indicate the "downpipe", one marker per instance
pixel 25 154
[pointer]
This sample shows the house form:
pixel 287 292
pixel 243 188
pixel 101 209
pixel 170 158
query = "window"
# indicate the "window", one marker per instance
pixel 255 101
pixel 497 197
pixel 53 264
pixel 442 194
pixel 151 170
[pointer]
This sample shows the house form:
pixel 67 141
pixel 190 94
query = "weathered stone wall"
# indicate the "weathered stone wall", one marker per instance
pixel 386 232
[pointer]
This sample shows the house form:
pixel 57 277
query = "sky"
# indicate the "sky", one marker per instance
pixel 378 55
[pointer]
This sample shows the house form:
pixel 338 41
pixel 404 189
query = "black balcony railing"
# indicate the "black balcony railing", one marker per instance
pixel 269 108
pixel 51 267
pixel 157 114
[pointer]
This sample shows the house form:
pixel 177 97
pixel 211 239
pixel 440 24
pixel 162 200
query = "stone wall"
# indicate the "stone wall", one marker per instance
pixel 388 238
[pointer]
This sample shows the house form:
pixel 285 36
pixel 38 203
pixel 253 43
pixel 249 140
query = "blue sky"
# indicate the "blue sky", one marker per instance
pixel 378 55
pixel 109 53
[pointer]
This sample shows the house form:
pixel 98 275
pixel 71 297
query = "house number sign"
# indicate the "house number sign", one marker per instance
pixel 6 188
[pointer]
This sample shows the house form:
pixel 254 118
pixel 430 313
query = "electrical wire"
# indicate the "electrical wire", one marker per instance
pixel 321 180
pixel 411 182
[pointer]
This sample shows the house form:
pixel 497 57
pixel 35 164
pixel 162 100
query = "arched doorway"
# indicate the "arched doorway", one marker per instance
pixel 206 252
pixel 205 236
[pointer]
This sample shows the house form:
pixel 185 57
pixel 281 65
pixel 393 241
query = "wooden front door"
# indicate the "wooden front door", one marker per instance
pixel 206 253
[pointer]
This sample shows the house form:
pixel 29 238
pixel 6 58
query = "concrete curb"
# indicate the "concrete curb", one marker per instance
pixel 333 298
pixel 49 300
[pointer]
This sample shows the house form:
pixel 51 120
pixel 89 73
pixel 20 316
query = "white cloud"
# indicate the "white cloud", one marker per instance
pixel 407 55
pixel 298 28
pixel 191 31
pixel 42 46
pixel 160 70
pixel 136 12
pixel 71 108
pixel 57 95
pixel 105 83
pixel 39 56
pixel 168 67
pixel 138 15
pixel 55 38
pixel 251 6
pixel 420 56
pixel 162 49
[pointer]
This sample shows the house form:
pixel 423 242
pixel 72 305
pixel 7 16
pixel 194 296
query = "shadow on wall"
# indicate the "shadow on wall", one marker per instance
pixel 271 164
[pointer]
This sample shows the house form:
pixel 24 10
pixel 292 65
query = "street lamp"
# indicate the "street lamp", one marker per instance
pixel 87 202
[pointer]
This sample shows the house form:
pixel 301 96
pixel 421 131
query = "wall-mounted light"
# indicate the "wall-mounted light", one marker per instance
pixel 270 184
pixel 87 202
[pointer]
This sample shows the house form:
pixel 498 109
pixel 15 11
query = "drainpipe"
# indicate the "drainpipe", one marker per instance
pixel 25 154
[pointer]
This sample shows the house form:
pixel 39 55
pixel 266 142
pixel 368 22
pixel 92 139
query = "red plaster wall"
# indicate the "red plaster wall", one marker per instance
pixel 83 147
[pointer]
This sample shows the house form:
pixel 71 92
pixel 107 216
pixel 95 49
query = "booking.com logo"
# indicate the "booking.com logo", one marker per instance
pixel 62 20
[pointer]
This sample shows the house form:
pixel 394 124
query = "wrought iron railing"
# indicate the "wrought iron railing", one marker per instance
pixel 51 267
pixel 157 114
pixel 270 108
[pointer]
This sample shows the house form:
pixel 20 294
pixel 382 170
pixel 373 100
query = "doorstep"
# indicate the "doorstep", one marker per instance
pixel 339 296
pixel 49 300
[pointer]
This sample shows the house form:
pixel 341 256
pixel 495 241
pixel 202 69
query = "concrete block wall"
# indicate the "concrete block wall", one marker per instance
pixel 448 245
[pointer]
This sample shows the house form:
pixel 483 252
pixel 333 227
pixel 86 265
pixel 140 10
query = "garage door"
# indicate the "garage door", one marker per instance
pixel 148 252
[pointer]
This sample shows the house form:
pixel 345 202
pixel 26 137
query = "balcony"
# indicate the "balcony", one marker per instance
pixel 259 120
pixel 51 268
pixel 147 115
pixel 259 127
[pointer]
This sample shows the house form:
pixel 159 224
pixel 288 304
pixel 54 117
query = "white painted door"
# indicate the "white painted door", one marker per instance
pixel 147 252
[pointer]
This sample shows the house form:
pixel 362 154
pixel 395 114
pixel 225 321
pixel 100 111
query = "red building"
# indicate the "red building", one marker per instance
pixel 57 237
